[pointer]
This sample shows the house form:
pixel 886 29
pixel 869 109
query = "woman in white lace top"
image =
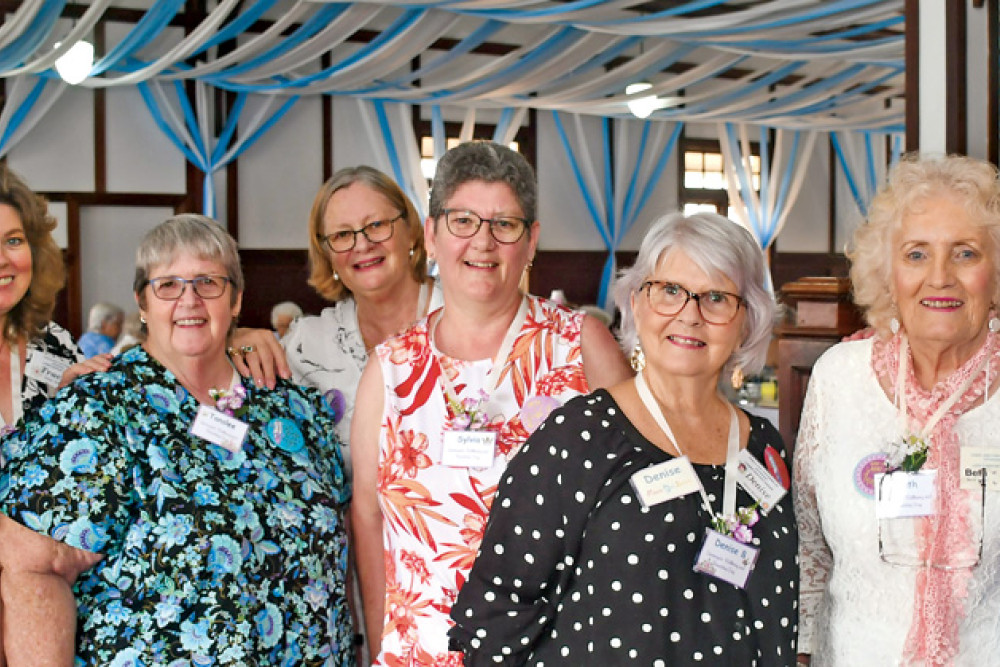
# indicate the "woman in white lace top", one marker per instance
pixel 896 473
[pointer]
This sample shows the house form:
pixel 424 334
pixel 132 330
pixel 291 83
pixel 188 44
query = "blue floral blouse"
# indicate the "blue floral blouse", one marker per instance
pixel 210 557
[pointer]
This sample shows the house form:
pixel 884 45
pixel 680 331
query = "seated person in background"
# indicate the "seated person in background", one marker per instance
pixel 282 315
pixel 131 333
pixel 103 327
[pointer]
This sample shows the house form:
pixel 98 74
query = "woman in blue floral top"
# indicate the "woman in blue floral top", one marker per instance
pixel 160 513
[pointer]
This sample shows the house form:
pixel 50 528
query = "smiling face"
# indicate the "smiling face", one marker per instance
pixel 15 259
pixel 685 344
pixel 190 327
pixel 369 267
pixel 943 276
pixel 479 268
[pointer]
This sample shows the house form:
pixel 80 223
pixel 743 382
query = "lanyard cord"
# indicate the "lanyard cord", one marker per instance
pixel 732 447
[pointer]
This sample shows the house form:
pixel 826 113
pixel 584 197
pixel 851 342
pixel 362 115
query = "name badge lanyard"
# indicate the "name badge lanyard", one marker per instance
pixel 732 448
pixel 943 409
pixel 16 409
pixel 499 361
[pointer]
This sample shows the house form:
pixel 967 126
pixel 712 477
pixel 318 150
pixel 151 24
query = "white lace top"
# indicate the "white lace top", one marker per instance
pixel 855 609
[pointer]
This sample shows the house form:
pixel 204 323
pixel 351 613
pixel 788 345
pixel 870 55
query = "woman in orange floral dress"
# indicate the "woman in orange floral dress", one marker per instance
pixel 443 407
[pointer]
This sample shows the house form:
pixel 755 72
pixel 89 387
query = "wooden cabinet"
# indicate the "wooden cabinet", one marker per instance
pixel 821 314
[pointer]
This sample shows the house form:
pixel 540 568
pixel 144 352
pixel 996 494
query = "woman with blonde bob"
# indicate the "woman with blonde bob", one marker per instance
pixel 898 519
pixel 589 559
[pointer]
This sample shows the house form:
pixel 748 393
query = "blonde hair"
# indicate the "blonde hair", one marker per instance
pixel 969 182
pixel 322 276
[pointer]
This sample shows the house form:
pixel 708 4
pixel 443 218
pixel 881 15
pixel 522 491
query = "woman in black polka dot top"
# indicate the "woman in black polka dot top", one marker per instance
pixel 650 524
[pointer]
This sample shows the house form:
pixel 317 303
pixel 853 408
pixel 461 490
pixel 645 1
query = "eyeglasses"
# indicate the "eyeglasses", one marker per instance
pixel 171 288
pixel 375 231
pixel 715 306
pixel 466 224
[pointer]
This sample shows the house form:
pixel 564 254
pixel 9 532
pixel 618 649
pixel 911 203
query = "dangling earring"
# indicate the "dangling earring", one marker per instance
pixel 736 379
pixel 637 360
pixel 336 276
pixel 994 324
pixel 894 326
pixel 142 319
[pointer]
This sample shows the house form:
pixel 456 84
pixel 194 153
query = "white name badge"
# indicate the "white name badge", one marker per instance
pixel 905 494
pixel 758 482
pixel 974 460
pixel 665 481
pixel 219 428
pixel 727 559
pixel 46 368
pixel 469 449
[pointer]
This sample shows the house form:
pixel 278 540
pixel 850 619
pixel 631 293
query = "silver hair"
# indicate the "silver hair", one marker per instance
pixel 187 233
pixel 285 308
pixel 489 162
pixel 102 312
pixel 720 247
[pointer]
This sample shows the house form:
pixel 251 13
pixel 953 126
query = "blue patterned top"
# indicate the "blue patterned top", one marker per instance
pixel 210 557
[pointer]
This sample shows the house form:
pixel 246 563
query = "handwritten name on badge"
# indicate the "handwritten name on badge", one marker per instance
pixel 46 368
pixel 468 449
pixel 727 559
pixel 219 429
pixel 905 494
pixel 758 482
pixel 665 481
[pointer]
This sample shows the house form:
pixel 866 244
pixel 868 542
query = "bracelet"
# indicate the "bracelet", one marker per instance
pixel 359 639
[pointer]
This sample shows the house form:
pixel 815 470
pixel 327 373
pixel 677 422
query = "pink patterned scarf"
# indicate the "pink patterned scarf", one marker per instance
pixel 939 604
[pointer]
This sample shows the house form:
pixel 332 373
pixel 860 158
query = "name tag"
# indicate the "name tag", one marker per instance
pixel 46 368
pixel 219 428
pixel 727 559
pixel 905 494
pixel 469 449
pixel 974 460
pixel 758 482
pixel 665 481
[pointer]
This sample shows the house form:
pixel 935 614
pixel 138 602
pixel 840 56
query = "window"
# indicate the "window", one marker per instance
pixel 703 180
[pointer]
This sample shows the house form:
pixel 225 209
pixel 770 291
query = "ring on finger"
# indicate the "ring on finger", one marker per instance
pixel 232 351
pixel 247 349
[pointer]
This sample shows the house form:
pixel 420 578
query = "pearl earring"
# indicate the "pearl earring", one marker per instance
pixel 894 326
pixel 994 324
pixel 336 276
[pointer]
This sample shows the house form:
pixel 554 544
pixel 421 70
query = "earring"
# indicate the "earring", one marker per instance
pixel 336 276
pixel 894 326
pixel 412 252
pixel 637 360
pixel 994 324
pixel 142 319
pixel 736 379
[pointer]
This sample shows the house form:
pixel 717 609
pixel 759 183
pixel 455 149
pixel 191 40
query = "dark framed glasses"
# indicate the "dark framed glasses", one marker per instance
pixel 375 231
pixel 466 224
pixel 171 288
pixel 715 306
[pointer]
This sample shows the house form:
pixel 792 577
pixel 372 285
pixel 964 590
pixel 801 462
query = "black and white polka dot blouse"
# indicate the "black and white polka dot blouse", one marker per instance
pixel 573 571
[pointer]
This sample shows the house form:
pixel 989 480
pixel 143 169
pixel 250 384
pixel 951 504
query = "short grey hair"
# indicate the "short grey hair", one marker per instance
pixel 102 312
pixel 187 233
pixel 720 247
pixel 285 309
pixel 489 162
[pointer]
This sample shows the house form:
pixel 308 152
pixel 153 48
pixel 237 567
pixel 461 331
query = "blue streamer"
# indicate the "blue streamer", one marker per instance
pixel 22 112
pixel 581 184
pixel 779 208
pixel 438 133
pixel 506 118
pixel 142 33
pixel 238 25
pixel 848 174
pixel 154 111
pixel 21 48
pixel 746 187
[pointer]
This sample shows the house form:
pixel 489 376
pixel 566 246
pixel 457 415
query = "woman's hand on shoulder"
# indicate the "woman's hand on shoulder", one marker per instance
pixel 96 364
pixel 258 353
pixel 603 361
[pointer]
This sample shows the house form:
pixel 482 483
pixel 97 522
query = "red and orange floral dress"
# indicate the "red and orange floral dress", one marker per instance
pixel 434 515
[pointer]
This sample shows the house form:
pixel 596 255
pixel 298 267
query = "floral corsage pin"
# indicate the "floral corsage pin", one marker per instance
pixel 230 401
pixel 469 415
pixel 737 526
pixel 908 454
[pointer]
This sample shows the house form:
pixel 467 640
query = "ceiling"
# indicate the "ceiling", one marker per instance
pixel 826 64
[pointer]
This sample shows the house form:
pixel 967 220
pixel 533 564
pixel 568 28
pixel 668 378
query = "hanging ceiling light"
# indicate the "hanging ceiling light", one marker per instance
pixel 74 66
pixel 641 107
